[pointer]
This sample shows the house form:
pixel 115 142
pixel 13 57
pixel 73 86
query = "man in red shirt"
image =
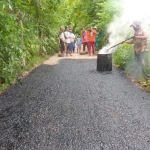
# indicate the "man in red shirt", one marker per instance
pixel 91 40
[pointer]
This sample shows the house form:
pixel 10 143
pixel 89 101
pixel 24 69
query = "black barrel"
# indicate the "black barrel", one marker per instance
pixel 104 62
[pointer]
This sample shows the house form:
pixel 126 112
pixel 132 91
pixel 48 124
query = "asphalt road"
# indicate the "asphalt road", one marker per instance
pixel 71 106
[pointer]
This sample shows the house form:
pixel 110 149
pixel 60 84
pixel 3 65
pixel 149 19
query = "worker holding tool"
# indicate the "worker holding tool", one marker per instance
pixel 139 67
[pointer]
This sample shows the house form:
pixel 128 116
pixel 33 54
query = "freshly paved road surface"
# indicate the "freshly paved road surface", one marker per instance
pixel 71 106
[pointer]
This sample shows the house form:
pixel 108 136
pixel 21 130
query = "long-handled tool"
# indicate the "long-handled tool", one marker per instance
pixel 119 43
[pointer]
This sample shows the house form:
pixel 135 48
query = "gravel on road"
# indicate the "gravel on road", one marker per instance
pixel 71 106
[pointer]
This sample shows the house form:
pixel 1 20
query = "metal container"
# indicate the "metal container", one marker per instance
pixel 104 62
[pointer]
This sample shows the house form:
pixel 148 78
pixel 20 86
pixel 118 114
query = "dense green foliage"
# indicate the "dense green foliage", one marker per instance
pixel 123 55
pixel 25 36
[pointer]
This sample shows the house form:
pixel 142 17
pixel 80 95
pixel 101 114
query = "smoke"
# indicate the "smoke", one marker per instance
pixel 119 29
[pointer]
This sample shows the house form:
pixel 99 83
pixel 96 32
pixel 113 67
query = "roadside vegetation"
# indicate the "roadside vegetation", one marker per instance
pixel 28 32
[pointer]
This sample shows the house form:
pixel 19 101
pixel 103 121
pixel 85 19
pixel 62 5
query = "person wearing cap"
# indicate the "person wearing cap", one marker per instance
pixel 91 40
pixel 138 67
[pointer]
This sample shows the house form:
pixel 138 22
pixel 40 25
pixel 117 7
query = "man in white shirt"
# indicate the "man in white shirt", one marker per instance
pixel 67 37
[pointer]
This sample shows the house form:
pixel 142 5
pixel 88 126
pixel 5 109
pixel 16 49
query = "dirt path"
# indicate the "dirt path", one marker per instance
pixel 55 59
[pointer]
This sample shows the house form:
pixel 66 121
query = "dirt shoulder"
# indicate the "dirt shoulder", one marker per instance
pixel 55 59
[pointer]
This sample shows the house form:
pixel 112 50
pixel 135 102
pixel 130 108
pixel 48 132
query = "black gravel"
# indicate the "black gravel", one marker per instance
pixel 71 106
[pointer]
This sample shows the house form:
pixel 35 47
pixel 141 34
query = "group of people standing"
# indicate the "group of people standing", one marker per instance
pixel 90 38
pixel 66 40
pixel 87 37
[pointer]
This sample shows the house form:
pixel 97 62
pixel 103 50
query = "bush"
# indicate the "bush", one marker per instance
pixel 123 55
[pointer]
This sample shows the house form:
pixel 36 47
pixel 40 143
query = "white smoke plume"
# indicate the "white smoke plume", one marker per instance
pixel 119 29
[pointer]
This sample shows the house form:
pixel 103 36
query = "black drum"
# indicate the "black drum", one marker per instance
pixel 104 62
